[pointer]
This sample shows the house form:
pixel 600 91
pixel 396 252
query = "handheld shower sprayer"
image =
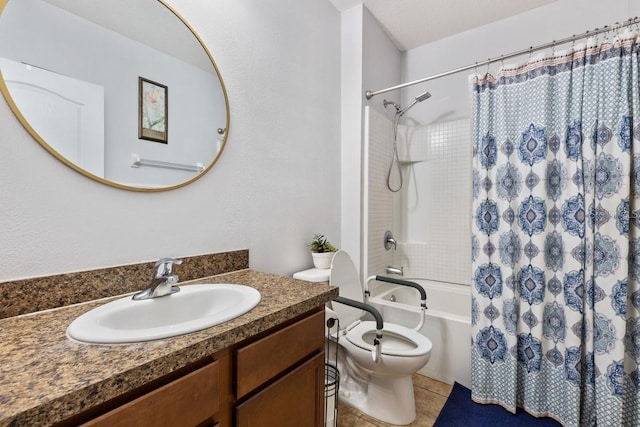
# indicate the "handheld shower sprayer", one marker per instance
pixel 401 111
pixel 419 98
pixel 395 161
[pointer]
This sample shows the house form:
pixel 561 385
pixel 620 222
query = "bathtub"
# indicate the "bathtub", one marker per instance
pixel 447 324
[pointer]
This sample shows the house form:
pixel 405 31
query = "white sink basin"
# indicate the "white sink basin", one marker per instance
pixel 194 308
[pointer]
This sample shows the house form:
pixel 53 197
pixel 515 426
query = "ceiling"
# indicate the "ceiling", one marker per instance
pixel 412 23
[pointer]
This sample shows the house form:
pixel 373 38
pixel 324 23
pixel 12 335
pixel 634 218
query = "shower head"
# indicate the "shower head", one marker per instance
pixel 417 99
pixel 423 96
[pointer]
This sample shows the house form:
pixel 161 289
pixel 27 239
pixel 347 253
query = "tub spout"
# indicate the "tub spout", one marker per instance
pixel 394 270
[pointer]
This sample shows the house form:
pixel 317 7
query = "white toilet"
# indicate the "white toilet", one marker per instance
pixel 382 389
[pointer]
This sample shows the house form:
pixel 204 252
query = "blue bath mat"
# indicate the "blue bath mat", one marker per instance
pixel 461 411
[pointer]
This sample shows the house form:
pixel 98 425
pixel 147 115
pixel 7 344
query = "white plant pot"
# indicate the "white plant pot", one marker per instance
pixel 322 260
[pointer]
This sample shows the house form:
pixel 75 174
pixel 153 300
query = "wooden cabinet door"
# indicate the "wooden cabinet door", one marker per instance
pixel 266 358
pixel 295 400
pixel 188 401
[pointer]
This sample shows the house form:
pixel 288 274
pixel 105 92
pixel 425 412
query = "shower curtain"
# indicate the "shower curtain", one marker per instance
pixel 556 236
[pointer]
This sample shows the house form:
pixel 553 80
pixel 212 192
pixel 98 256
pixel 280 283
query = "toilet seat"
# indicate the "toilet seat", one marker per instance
pixel 397 340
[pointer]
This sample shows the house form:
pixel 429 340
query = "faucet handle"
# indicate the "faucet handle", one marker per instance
pixel 389 240
pixel 163 266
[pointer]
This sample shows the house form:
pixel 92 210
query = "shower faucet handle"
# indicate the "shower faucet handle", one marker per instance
pixel 389 240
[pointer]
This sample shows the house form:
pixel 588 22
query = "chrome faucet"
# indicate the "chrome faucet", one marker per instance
pixel 394 270
pixel 389 241
pixel 163 282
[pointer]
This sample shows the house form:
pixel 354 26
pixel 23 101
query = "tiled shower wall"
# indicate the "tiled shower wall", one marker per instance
pixel 431 215
pixel 435 213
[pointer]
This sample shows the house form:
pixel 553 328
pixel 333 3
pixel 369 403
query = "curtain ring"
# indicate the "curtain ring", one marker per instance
pixel 619 30
pixel 553 49
pixel 615 26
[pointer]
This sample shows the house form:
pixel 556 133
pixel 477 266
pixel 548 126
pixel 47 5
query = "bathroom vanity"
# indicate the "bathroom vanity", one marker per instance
pixel 252 370
pixel 258 380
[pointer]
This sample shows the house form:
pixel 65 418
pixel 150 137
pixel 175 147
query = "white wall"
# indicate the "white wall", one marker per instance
pixel 450 98
pixel 382 60
pixel 277 182
pixel 351 131
pixel 370 60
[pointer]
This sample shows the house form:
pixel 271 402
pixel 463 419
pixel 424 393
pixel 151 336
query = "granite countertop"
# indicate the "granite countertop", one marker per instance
pixel 46 377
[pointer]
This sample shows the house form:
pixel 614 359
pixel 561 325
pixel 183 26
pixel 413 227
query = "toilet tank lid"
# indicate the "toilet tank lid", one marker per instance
pixel 313 275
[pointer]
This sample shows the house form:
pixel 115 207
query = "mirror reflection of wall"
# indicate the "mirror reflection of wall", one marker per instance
pixel 55 41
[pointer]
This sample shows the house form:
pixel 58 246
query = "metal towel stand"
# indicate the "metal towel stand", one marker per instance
pixel 331 378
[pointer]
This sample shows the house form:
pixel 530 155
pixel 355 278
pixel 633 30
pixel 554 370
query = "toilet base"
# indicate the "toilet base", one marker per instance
pixel 388 399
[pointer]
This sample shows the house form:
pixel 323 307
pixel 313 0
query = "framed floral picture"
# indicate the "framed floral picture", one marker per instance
pixel 153 110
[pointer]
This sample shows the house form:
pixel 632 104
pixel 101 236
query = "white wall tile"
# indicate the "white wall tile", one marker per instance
pixel 380 199
pixel 433 214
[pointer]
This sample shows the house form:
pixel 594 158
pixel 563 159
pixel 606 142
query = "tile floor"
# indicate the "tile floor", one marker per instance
pixel 430 398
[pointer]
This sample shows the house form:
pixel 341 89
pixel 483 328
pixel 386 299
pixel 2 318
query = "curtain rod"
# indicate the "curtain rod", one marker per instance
pixel 370 94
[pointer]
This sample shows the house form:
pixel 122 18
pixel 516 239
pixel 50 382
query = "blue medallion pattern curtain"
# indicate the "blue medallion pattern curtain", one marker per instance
pixel 556 236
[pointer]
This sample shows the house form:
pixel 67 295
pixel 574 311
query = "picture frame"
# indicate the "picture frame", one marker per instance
pixel 153 111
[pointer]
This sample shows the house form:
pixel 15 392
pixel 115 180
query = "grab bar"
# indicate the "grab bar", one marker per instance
pixel 377 350
pixel 137 162
pixel 423 294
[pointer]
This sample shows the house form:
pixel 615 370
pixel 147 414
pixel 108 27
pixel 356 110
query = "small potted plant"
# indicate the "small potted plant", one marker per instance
pixel 322 251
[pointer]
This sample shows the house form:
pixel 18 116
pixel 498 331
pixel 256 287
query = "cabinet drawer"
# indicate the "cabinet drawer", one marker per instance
pixel 264 359
pixel 187 401
pixel 295 400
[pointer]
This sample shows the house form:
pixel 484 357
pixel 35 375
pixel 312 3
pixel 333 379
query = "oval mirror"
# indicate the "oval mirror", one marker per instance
pixel 122 91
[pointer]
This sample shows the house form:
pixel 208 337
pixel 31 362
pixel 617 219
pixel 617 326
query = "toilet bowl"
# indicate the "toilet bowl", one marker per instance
pixel 381 387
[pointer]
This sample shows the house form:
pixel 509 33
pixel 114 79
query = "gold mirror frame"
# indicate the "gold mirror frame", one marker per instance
pixel 16 111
